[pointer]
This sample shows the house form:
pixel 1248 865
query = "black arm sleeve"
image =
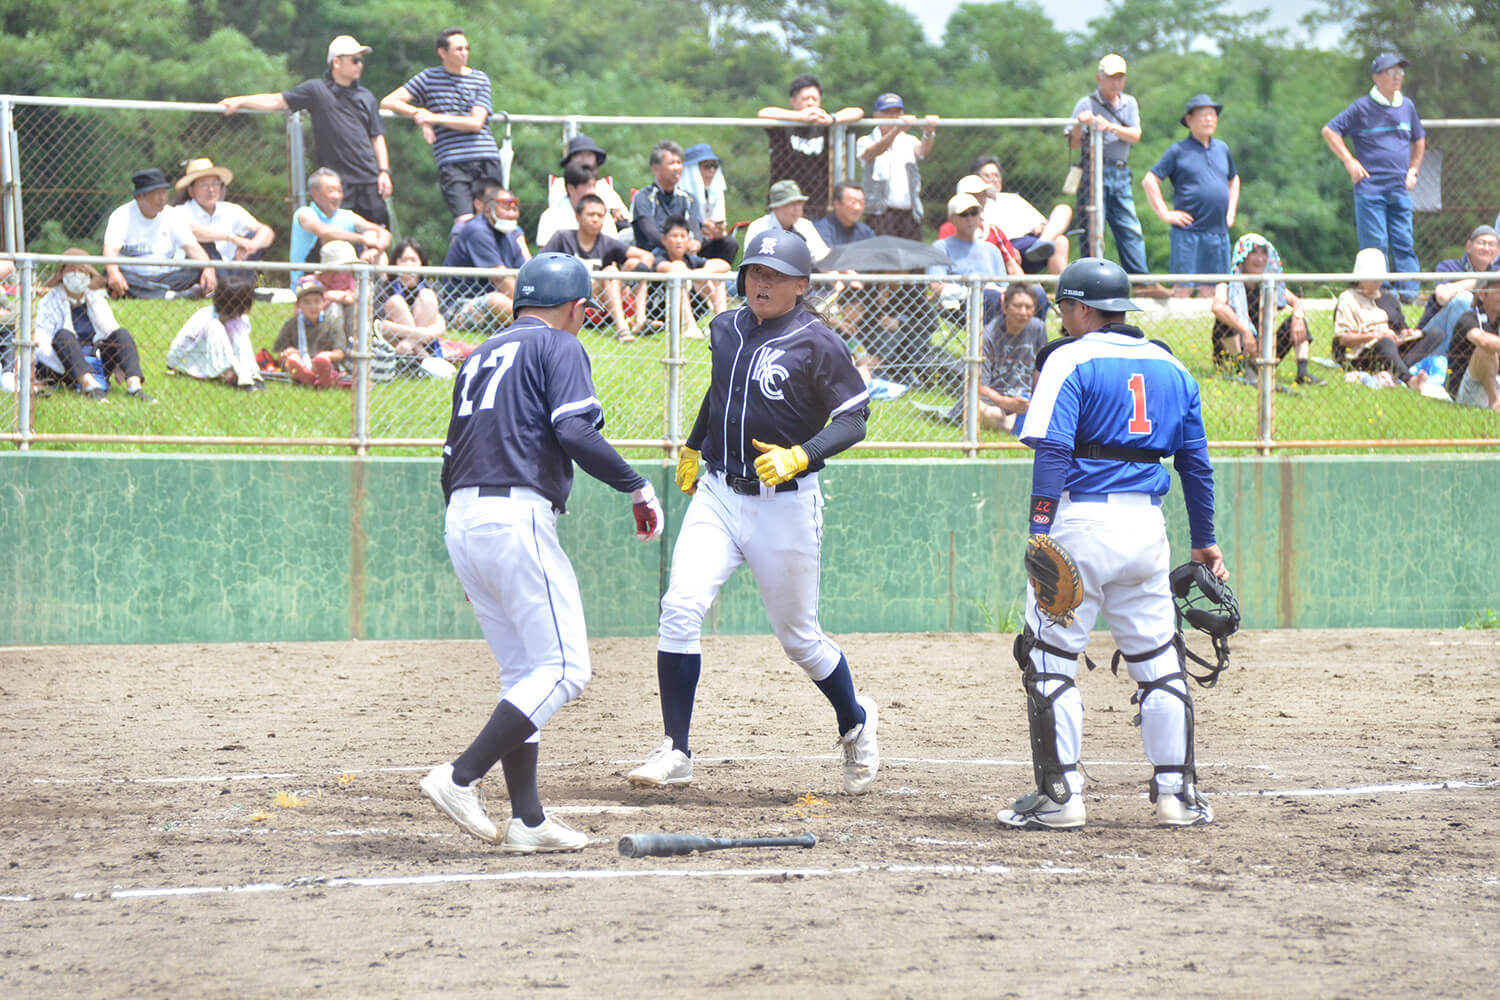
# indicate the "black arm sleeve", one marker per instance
pixel 843 431
pixel 594 455
pixel 700 427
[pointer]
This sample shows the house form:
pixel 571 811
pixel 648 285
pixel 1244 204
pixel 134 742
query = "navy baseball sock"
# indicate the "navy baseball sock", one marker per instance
pixel 677 677
pixel 838 688
pixel 520 782
pixel 506 730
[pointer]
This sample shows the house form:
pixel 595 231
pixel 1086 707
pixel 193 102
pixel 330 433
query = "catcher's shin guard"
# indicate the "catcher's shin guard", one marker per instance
pixel 1051 773
pixel 1188 767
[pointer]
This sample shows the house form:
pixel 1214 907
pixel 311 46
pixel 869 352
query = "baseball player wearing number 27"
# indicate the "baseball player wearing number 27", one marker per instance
pixel 1109 405
pixel 524 410
pixel 784 397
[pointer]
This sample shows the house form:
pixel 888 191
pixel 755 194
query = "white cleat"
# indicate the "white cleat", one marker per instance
pixel 1173 809
pixel 552 837
pixel 663 766
pixel 1037 811
pixel 861 752
pixel 460 804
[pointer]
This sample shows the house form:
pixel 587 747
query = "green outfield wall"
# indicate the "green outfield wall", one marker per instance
pixel 194 548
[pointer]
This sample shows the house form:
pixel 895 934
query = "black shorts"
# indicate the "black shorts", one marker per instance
pixel 365 201
pixel 457 180
pixel 1284 340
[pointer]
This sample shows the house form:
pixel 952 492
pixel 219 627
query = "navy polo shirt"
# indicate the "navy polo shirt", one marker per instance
pixel 477 243
pixel 1200 177
pixel 836 235
pixel 1382 137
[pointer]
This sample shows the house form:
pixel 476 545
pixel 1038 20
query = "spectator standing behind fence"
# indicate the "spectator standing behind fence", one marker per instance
pixel 1115 116
pixel 585 152
pixel 348 136
pixel 1237 310
pixel 324 218
pixel 146 226
pixel 801 153
pixel 675 256
pixel 411 319
pixel 312 344
pixel 491 239
pixel 1389 142
pixel 224 230
pixel 1451 299
pixel 77 337
pixel 1474 355
pixel 787 204
pixel 1369 330
pixel 845 223
pixel 891 178
pixel 1011 343
pixel 215 341
pixel 451 105
pixel 658 201
pixel 1205 194
pixel 703 178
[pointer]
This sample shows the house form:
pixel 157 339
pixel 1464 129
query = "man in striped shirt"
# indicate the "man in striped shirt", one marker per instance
pixel 451 105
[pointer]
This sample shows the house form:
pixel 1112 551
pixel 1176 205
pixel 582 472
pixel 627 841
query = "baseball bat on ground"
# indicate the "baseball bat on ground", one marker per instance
pixel 665 845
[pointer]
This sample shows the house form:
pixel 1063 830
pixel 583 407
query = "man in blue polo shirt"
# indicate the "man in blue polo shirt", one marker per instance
pixel 1205 195
pixel 1389 143
pixel 844 224
pixel 451 105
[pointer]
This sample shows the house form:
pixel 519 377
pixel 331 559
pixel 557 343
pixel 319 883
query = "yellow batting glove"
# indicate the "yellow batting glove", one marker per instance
pixel 687 470
pixel 779 464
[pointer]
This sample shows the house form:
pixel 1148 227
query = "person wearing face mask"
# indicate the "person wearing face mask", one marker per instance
pixel 491 240
pixel 77 339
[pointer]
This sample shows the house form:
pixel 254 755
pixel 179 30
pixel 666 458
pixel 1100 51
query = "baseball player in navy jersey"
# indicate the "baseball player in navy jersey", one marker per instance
pixel 785 396
pixel 1109 405
pixel 524 410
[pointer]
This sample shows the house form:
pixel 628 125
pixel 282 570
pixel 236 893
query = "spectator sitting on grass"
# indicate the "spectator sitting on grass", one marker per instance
pixel 604 254
pixel 311 345
pixel 1451 299
pixel 1011 343
pixel 787 204
pixel 223 229
pixel 324 218
pixel 1369 330
pixel 1474 354
pixel 146 226
pixel 410 320
pixel 215 341
pixel 77 338
pixel 1236 309
pixel 491 240
pixel 845 223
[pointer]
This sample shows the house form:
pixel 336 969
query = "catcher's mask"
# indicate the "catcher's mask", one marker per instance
pixel 1207 604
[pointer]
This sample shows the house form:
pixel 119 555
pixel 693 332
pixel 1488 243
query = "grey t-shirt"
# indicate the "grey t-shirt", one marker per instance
pixel 1127 114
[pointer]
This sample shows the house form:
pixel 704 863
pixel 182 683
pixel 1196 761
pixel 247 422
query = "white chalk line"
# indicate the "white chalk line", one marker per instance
pixel 208 779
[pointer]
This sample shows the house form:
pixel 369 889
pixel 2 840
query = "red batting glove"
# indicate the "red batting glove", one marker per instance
pixel 648 514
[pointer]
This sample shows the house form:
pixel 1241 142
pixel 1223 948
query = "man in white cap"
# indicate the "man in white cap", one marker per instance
pixel 226 231
pixel 1114 115
pixel 347 132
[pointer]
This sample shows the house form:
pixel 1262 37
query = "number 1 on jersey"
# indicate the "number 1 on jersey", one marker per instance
pixel 1138 422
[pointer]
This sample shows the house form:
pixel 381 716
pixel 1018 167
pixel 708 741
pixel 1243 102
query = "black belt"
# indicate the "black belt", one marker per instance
pixel 750 487
pixel 1117 454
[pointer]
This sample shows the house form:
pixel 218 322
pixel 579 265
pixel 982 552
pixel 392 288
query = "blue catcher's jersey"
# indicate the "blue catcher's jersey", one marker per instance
pixel 1115 389
pixel 508 396
pixel 779 382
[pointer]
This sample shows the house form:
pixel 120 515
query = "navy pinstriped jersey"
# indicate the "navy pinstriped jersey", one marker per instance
pixel 779 382
pixel 507 398
pixel 1119 389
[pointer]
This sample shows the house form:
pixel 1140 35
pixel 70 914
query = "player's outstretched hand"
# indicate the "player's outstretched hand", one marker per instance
pixel 687 470
pixel 779 464
pixel 647 510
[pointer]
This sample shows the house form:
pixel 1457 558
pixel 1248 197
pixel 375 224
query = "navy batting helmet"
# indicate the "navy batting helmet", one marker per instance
pixel 1096 282
pixel 780 250
pixel 552 279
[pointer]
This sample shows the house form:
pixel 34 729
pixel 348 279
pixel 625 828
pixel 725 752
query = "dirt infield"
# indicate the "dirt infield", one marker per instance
pixel 146 853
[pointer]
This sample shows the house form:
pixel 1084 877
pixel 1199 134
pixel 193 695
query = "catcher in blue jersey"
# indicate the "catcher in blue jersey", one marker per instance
pixel 1109 405
pixel 785 396
pixel 524 410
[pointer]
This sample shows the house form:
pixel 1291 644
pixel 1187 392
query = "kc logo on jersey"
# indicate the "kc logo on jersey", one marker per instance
pixel 766 372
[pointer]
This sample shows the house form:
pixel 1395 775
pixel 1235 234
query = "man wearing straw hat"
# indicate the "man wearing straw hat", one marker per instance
pixel 224 230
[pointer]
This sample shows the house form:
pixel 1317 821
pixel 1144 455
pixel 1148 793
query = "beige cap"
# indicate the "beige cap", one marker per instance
pixel 337 252
pixel 1112 64
pixel 346 45
pixel 972 184
pixel 961 203
pixel 1369 264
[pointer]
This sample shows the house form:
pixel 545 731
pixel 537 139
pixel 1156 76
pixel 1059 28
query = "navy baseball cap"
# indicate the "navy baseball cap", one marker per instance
pixel 886 102
pixel 780 250
pixel 1385 61
pixel 1200 101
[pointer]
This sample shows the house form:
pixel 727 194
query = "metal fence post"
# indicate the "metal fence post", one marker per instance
pixel 1265 362
pixel 973 364
pixel 7 175
pixel 673 362
pixel 361 428
pixel 296 159
pixel 25 360
pixel 1095 220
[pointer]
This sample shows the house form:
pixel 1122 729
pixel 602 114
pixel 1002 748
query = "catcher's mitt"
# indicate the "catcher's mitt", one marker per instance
pixel 1054 577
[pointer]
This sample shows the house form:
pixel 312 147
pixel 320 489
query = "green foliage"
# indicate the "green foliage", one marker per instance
pixel 1483 618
